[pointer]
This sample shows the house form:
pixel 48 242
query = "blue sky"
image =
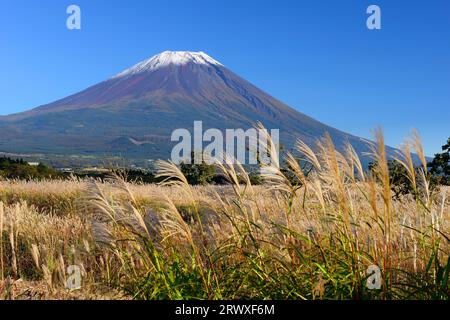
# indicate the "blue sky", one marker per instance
pixel 316 56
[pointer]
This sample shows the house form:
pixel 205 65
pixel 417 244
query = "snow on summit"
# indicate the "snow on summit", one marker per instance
pixel 169 58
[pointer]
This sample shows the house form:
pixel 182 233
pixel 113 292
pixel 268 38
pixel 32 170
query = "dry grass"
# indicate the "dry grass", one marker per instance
pixel 280 240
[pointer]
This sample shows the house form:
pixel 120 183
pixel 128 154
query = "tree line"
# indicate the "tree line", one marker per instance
pixel 202 174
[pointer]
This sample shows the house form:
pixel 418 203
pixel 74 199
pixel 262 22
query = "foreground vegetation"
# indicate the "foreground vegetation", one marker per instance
pixel 296 236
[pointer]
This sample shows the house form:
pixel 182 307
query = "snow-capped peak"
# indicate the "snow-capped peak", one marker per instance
pixel 169 58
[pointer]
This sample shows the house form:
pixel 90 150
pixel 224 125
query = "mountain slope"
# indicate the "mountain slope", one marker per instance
pixel 134 113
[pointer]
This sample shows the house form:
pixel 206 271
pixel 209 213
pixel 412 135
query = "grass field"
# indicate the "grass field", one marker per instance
pixel 311 240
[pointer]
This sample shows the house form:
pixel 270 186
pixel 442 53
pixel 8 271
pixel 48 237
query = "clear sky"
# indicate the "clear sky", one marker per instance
pixel 316 56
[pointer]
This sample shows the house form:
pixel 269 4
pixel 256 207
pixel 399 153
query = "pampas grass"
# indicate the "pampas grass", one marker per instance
pixel 309 238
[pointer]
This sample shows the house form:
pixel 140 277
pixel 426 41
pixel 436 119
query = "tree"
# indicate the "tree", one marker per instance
pixel 440 166
pixel 197 174
pixel 398 178
pixel 288 172
pixel 19 169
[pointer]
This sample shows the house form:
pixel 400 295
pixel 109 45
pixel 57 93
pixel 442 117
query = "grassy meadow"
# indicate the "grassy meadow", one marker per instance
pixel 314 239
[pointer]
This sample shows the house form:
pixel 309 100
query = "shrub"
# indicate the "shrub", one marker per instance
pixel 440 166
pixel 197 174
pixel 19 169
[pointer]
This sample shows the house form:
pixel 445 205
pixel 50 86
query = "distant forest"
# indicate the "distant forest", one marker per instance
pixel 201 174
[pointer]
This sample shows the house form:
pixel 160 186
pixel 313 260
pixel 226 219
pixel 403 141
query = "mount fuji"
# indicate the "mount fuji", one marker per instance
pixel 134 113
